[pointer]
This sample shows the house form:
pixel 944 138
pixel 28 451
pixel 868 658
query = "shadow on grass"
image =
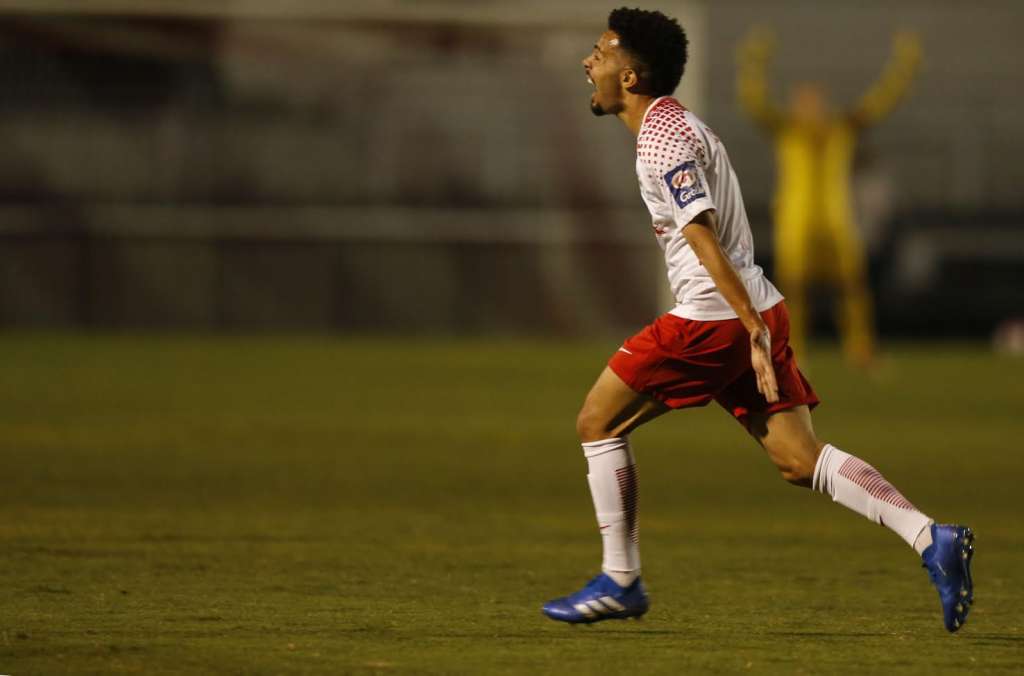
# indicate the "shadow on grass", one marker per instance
pixel 570 633
pixel 828 634
pixel 994 638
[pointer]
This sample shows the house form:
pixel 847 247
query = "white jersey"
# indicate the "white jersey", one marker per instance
pixel 683 170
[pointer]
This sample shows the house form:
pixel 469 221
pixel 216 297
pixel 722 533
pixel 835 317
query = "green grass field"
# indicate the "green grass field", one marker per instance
pixel 289 505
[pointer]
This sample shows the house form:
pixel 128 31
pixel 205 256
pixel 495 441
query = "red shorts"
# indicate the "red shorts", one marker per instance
pixel 686 362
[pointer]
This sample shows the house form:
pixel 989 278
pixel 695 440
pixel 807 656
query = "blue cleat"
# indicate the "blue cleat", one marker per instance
pixel 601 599
pixel 948 560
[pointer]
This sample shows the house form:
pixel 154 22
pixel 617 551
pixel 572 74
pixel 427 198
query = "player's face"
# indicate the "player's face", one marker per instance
pixel 809 103
pixel 604 68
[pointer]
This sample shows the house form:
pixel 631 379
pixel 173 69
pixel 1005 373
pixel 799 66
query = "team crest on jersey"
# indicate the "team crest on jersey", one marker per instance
pixel 685 184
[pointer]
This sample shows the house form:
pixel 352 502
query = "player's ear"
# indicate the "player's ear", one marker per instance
pixel 628 78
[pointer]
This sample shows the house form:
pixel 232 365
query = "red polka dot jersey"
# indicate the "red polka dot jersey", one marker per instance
pixel 684 170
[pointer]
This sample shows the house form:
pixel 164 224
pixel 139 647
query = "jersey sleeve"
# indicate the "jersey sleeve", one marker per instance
pixel 674 159
pixel 686 187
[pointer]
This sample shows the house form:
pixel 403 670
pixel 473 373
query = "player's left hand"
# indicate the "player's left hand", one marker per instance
pixel 761 360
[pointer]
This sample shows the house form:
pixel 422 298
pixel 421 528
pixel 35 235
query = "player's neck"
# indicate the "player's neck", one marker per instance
pixel 632 114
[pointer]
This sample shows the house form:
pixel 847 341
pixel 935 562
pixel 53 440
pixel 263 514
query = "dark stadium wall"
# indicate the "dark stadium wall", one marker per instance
pixel 208 171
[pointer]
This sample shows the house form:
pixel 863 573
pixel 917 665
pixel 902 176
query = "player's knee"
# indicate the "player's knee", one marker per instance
pixel 798 474
pixel 797 467
pixel 591 426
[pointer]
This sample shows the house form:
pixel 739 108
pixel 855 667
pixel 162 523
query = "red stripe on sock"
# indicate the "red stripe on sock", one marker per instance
pixel 872 481
pixel 628 492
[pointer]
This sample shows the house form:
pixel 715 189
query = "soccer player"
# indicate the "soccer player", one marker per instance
pixel 816 238
pixel 726 339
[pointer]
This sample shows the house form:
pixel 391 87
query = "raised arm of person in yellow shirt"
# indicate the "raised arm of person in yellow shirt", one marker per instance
pixel 893 83
pixel 752 58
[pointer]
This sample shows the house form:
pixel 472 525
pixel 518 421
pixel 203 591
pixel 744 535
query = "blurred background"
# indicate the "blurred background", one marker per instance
pixel 298 300
pixel 433 166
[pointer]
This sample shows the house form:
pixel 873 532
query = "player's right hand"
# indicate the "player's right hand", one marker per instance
pixel 761 361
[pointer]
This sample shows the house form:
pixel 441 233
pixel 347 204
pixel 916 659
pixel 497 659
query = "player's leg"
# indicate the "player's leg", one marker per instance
pixel 610 412
pixel 612 409
pixel 855 316
pixel 788 438
pixel 793 259
pixel 672 363
pixel 785 431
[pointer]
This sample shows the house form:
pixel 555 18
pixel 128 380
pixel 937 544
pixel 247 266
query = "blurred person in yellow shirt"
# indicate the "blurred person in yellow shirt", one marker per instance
pixel 816 237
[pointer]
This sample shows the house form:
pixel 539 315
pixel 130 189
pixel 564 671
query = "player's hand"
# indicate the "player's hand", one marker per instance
pixel 907 46
pixel 757 45
pixel 761 360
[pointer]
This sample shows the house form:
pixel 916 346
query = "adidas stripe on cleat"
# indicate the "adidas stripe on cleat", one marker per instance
pixel 948 560
pixel 600 599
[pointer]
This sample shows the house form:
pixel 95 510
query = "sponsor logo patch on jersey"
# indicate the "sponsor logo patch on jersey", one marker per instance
pixel 685 183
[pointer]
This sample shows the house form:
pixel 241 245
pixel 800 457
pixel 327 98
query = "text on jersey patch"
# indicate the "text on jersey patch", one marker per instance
pixel 685 184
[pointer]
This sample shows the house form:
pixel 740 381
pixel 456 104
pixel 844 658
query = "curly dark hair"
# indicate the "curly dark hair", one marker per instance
pixel 657 42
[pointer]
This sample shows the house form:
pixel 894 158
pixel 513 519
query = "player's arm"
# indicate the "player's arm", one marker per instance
pixel 896 77
pixel 700 233
pixel 752 57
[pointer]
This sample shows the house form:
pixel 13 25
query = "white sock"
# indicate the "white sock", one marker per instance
pixel 613 486
pixel 923 541
pixel 857 485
